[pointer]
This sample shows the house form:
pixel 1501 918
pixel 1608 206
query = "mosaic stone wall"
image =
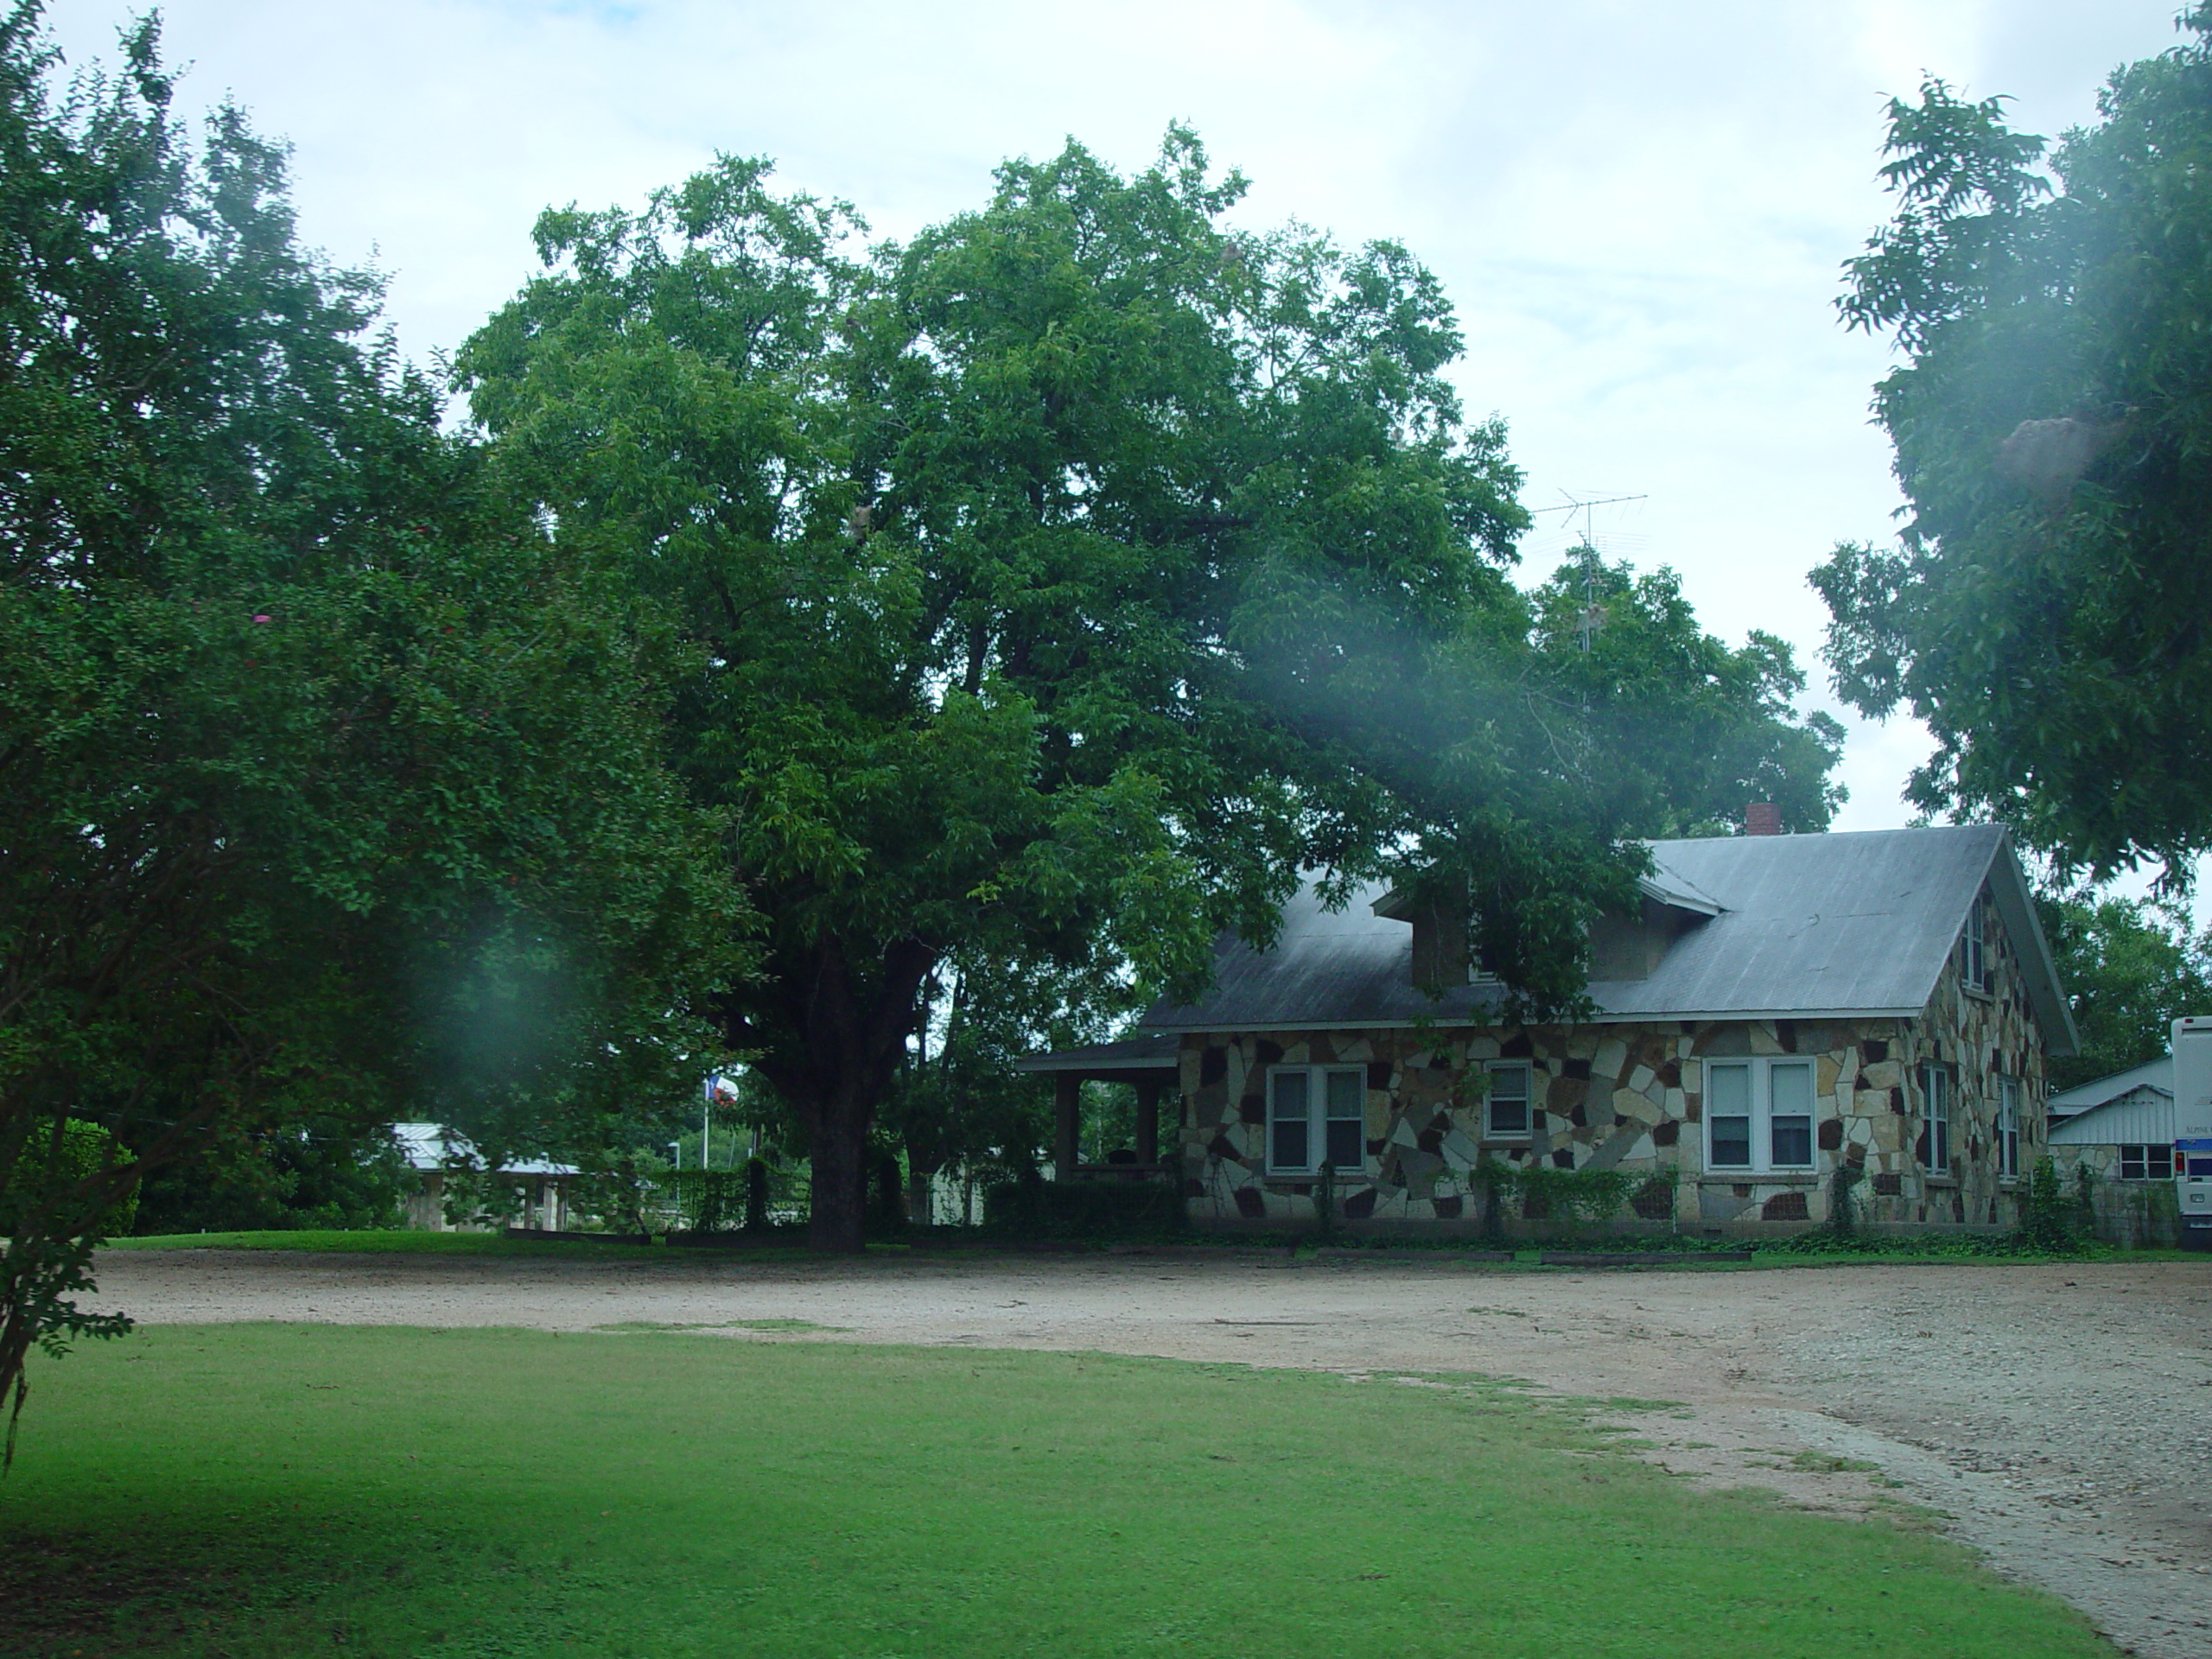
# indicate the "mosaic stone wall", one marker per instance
pixel 1629 1097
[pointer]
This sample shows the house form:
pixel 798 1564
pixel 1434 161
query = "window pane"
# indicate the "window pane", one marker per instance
pixel 1288 1133
pixel 1728 1101
pixel 1346 1153
pixel 1508 1100
pixel 1792 1088
pixel 1789 1103
pixel 2131 1164
pixel 1728 1090
pixel 2161 1162
pixel 1348 1095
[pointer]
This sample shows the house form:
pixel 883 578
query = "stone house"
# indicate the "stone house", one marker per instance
pixel 1779 1007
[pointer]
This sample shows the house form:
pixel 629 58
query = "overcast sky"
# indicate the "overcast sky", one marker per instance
pixel 1638 209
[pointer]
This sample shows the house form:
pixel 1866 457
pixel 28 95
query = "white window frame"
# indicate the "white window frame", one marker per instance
pixel 1317 1117
pixel 1527 1072
pixel 1759 1110
pixel 1941 1126
pixel 2147 1160
pixel 2008 1128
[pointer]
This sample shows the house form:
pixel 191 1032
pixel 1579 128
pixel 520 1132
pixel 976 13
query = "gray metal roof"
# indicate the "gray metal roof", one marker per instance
pixel 2143 1116
pixel 432 1145
pixel 2156 1074
pixel 1835 926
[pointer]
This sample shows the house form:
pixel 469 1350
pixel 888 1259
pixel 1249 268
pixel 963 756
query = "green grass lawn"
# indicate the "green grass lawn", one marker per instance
pixel 383 1242
pixel 283 1491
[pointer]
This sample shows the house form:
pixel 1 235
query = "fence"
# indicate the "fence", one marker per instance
pixel 755 1197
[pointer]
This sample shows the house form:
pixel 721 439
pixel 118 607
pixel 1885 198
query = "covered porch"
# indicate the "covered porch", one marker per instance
pixel 1147 1065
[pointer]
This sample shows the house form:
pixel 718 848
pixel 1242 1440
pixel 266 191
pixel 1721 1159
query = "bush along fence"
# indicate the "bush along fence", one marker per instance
pixel 757 1196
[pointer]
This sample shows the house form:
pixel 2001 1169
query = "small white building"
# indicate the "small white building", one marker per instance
pixel 2121 1129
pixel 437 1153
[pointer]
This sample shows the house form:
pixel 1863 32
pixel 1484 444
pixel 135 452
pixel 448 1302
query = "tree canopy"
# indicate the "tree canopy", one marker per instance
pixel 1065 580
pixel 326 781
pixel 2047 611
pixel 2130 968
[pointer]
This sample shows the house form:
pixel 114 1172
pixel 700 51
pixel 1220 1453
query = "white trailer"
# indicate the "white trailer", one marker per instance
pixel 2193 1127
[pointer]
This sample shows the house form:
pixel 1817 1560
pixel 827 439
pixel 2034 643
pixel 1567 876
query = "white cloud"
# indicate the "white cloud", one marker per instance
pixel 1640 210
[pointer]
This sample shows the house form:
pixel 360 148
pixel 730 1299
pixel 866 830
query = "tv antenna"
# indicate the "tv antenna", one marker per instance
pixel 1587 507
pixel 1594 614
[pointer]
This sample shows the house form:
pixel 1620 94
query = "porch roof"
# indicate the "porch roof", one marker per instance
pixel 1122 1061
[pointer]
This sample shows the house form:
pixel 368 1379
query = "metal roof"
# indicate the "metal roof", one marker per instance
pixel 1831 925
pixel 2143 1116
pixel 432 1145
pixel 1130 1054
pixel 2156 1074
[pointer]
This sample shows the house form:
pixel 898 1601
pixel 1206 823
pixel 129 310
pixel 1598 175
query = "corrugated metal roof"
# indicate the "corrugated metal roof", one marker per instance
pixel 2143 1116
pixel 432 1145
pixel 1841 925
pixel 2156 1074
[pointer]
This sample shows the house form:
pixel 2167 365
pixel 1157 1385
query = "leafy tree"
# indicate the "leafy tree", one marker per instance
pixel 1063 582
pixel 317 1172
pixel 1651 681
pixel 326 782
pixel 2130 969
pixel 2047 611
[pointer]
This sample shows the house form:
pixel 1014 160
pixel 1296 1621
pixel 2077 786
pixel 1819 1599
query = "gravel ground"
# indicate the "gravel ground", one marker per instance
pixel 2056 1418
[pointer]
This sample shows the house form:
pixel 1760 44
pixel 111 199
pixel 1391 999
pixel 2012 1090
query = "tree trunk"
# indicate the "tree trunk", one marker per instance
pixel 837 1132
pixel 829 1041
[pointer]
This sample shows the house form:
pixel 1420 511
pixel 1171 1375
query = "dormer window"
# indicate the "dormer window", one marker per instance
pixel 1974 954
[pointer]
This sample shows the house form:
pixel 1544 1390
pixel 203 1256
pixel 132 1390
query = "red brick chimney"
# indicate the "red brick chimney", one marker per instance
pixel 1762 818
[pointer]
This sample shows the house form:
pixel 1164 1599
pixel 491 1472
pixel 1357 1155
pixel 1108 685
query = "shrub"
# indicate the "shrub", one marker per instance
pixel 85 1149
pixel 1033 1208
pixel 2045 1223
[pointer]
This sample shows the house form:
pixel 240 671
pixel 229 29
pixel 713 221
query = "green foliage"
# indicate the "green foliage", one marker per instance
pixel 1574 1200
pixel 2047 1220
pixel 81 1153
pixel 318 1172
pixel 2046 613
pixel 326 782
pixel 708 1200
pixel 1060 584
pixel 2130 969
pixel 1653 683
pixel 1085 1211
pixel 1843 1199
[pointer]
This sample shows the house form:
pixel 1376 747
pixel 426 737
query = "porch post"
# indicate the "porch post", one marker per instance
pixel 1067 1090
pixel 1148 1119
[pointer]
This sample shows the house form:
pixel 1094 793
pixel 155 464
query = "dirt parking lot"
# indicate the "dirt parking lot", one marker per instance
pixel 2058 1418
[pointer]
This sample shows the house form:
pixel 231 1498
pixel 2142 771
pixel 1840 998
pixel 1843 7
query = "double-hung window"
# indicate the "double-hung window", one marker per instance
pixel 1935 1096
pixel 2008 1127
pixel 1317 1116
pixel 2146 1163
pixel 1506 1112
pixel 1758 1115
